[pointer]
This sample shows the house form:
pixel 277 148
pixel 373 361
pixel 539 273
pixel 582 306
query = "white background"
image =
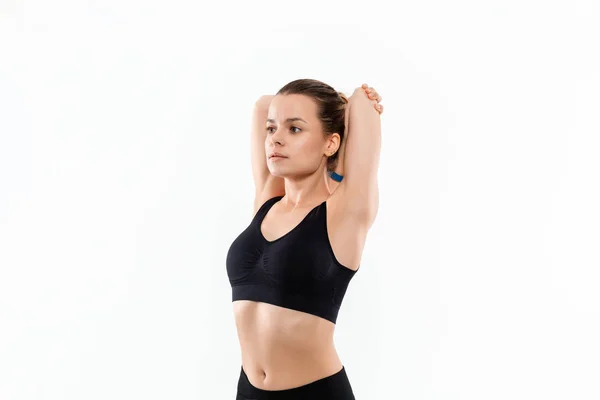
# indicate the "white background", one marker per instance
pixel 125 176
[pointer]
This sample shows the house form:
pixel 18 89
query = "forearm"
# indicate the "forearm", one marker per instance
pixel 364 140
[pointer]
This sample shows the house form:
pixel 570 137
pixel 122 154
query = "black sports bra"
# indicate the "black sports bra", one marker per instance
pixel 297 271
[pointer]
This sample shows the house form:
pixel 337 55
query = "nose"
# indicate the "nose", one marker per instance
pixel 276 137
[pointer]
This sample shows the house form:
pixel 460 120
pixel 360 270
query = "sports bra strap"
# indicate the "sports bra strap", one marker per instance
pixel 264 209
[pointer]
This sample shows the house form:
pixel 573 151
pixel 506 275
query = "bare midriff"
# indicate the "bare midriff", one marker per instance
pixel 282 348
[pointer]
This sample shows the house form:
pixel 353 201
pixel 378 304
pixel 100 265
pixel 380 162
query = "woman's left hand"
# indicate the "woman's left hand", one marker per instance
pixel 373 95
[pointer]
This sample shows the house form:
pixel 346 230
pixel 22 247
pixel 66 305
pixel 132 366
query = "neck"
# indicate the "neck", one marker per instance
pixel 306 191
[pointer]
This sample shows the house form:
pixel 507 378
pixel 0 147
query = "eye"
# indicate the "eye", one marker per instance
pixel 293 127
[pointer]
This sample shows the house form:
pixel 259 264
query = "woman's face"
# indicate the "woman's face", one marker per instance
pixel 294 130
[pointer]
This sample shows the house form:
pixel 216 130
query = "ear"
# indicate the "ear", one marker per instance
pixel 332 144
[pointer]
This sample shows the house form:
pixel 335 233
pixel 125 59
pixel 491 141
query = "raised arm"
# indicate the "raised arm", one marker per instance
pixel 266 185
pixel 359 187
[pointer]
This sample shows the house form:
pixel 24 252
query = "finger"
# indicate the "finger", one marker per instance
pixel 374 95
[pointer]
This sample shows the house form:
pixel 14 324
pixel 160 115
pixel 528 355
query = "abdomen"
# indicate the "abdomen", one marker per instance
pixel 283 348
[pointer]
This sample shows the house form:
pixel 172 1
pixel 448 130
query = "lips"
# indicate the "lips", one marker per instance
pixel 276 155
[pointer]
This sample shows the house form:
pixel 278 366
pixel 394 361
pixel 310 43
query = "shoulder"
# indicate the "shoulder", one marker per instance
pixel 340 206
pixel 347 231
pixel 345 221
pixel 261 200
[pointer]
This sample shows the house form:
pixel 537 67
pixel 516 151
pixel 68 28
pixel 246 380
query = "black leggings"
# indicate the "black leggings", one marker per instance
pixel 333 387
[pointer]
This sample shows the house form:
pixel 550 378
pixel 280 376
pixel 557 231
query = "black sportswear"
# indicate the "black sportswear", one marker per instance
pixel 297 271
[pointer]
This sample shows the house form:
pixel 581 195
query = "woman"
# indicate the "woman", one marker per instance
pixel 289 269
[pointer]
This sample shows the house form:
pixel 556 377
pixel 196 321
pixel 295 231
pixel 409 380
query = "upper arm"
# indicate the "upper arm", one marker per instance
pixel 359 188
pixel 266 185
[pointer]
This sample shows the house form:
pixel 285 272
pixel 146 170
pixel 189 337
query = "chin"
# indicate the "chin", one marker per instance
pixel 281 171
pixel 278 173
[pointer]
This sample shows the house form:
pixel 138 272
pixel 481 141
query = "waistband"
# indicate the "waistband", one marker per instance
pixel 336 386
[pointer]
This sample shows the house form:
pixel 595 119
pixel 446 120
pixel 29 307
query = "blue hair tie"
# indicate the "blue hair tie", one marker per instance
pixel 335 177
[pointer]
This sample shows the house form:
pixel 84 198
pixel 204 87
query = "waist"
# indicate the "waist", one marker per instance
pixel 289 374
pixel 284 348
